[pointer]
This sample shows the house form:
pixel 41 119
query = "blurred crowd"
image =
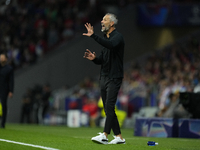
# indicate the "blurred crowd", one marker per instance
pixel 162 75
pixel 35 104
pixel 166 73
pixel 29 29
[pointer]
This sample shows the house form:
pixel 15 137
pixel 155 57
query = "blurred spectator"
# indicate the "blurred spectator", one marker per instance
pixel 44 103
pixel 91 108
pixel 36 103
pixel 197 83
pixel 41 47
pixel 26 109
pixel 37 96
pixel 53 35
pixel 174 109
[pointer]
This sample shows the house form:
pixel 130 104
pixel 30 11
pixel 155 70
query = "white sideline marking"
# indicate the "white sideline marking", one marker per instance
pixel 25 144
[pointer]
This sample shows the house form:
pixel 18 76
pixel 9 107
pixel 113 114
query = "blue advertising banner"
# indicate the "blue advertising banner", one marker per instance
pixel 168 15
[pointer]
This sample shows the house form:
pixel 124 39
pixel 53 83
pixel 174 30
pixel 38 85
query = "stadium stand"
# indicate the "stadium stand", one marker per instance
pixel 30 29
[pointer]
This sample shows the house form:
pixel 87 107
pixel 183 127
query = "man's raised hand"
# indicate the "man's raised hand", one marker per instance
pixel 89 28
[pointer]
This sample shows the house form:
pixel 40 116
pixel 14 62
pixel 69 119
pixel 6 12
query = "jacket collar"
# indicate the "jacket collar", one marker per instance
pixel 111 34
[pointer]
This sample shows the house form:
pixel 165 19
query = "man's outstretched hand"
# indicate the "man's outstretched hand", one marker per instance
pixel 89 28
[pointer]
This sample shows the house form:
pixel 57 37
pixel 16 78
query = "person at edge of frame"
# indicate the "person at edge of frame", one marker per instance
pixel 6 85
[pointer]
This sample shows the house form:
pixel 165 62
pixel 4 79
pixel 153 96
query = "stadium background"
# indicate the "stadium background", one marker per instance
pixel 64 64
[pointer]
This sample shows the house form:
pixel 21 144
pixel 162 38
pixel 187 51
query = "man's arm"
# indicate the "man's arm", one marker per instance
pixel 11 83
pixel 98 60
pixel 111 43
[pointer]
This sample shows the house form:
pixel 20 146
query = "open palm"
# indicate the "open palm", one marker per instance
pixel 89 28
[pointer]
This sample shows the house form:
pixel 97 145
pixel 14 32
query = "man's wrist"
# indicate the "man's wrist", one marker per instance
pixel 92 35
pixel 94 59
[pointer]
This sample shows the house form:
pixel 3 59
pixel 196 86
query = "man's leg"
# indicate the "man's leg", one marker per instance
pixel 112 88
pixel 102 137
pixel 103 87
pixel 109 92
pixel 4 110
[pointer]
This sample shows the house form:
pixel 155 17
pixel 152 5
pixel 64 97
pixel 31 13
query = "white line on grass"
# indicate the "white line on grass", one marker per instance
pixel 25 144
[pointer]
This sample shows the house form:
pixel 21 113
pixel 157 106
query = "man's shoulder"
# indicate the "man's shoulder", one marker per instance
pixel 118 35
pixel 116 32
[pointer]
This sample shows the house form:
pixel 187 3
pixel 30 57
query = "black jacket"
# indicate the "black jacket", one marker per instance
pixel 6 79
pixel 111 57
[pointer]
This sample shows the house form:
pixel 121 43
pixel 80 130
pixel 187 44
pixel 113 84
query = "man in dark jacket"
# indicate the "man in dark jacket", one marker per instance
pixel 111 74
pixel 6 85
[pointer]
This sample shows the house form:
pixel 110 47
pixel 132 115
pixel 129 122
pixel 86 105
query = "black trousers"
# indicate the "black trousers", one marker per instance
pixel 3 99
pixel 109 91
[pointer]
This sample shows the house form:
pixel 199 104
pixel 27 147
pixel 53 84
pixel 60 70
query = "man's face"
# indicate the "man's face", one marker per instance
pixel 3 58
pixel 106 24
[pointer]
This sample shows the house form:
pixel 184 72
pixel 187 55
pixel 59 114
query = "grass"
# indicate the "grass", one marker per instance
pixel 64 138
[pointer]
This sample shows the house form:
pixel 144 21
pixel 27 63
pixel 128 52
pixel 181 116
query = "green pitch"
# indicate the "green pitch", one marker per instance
pixel 64 138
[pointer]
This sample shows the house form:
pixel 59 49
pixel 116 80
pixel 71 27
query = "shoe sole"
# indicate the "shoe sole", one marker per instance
pixel 99 142
pixel 118 143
